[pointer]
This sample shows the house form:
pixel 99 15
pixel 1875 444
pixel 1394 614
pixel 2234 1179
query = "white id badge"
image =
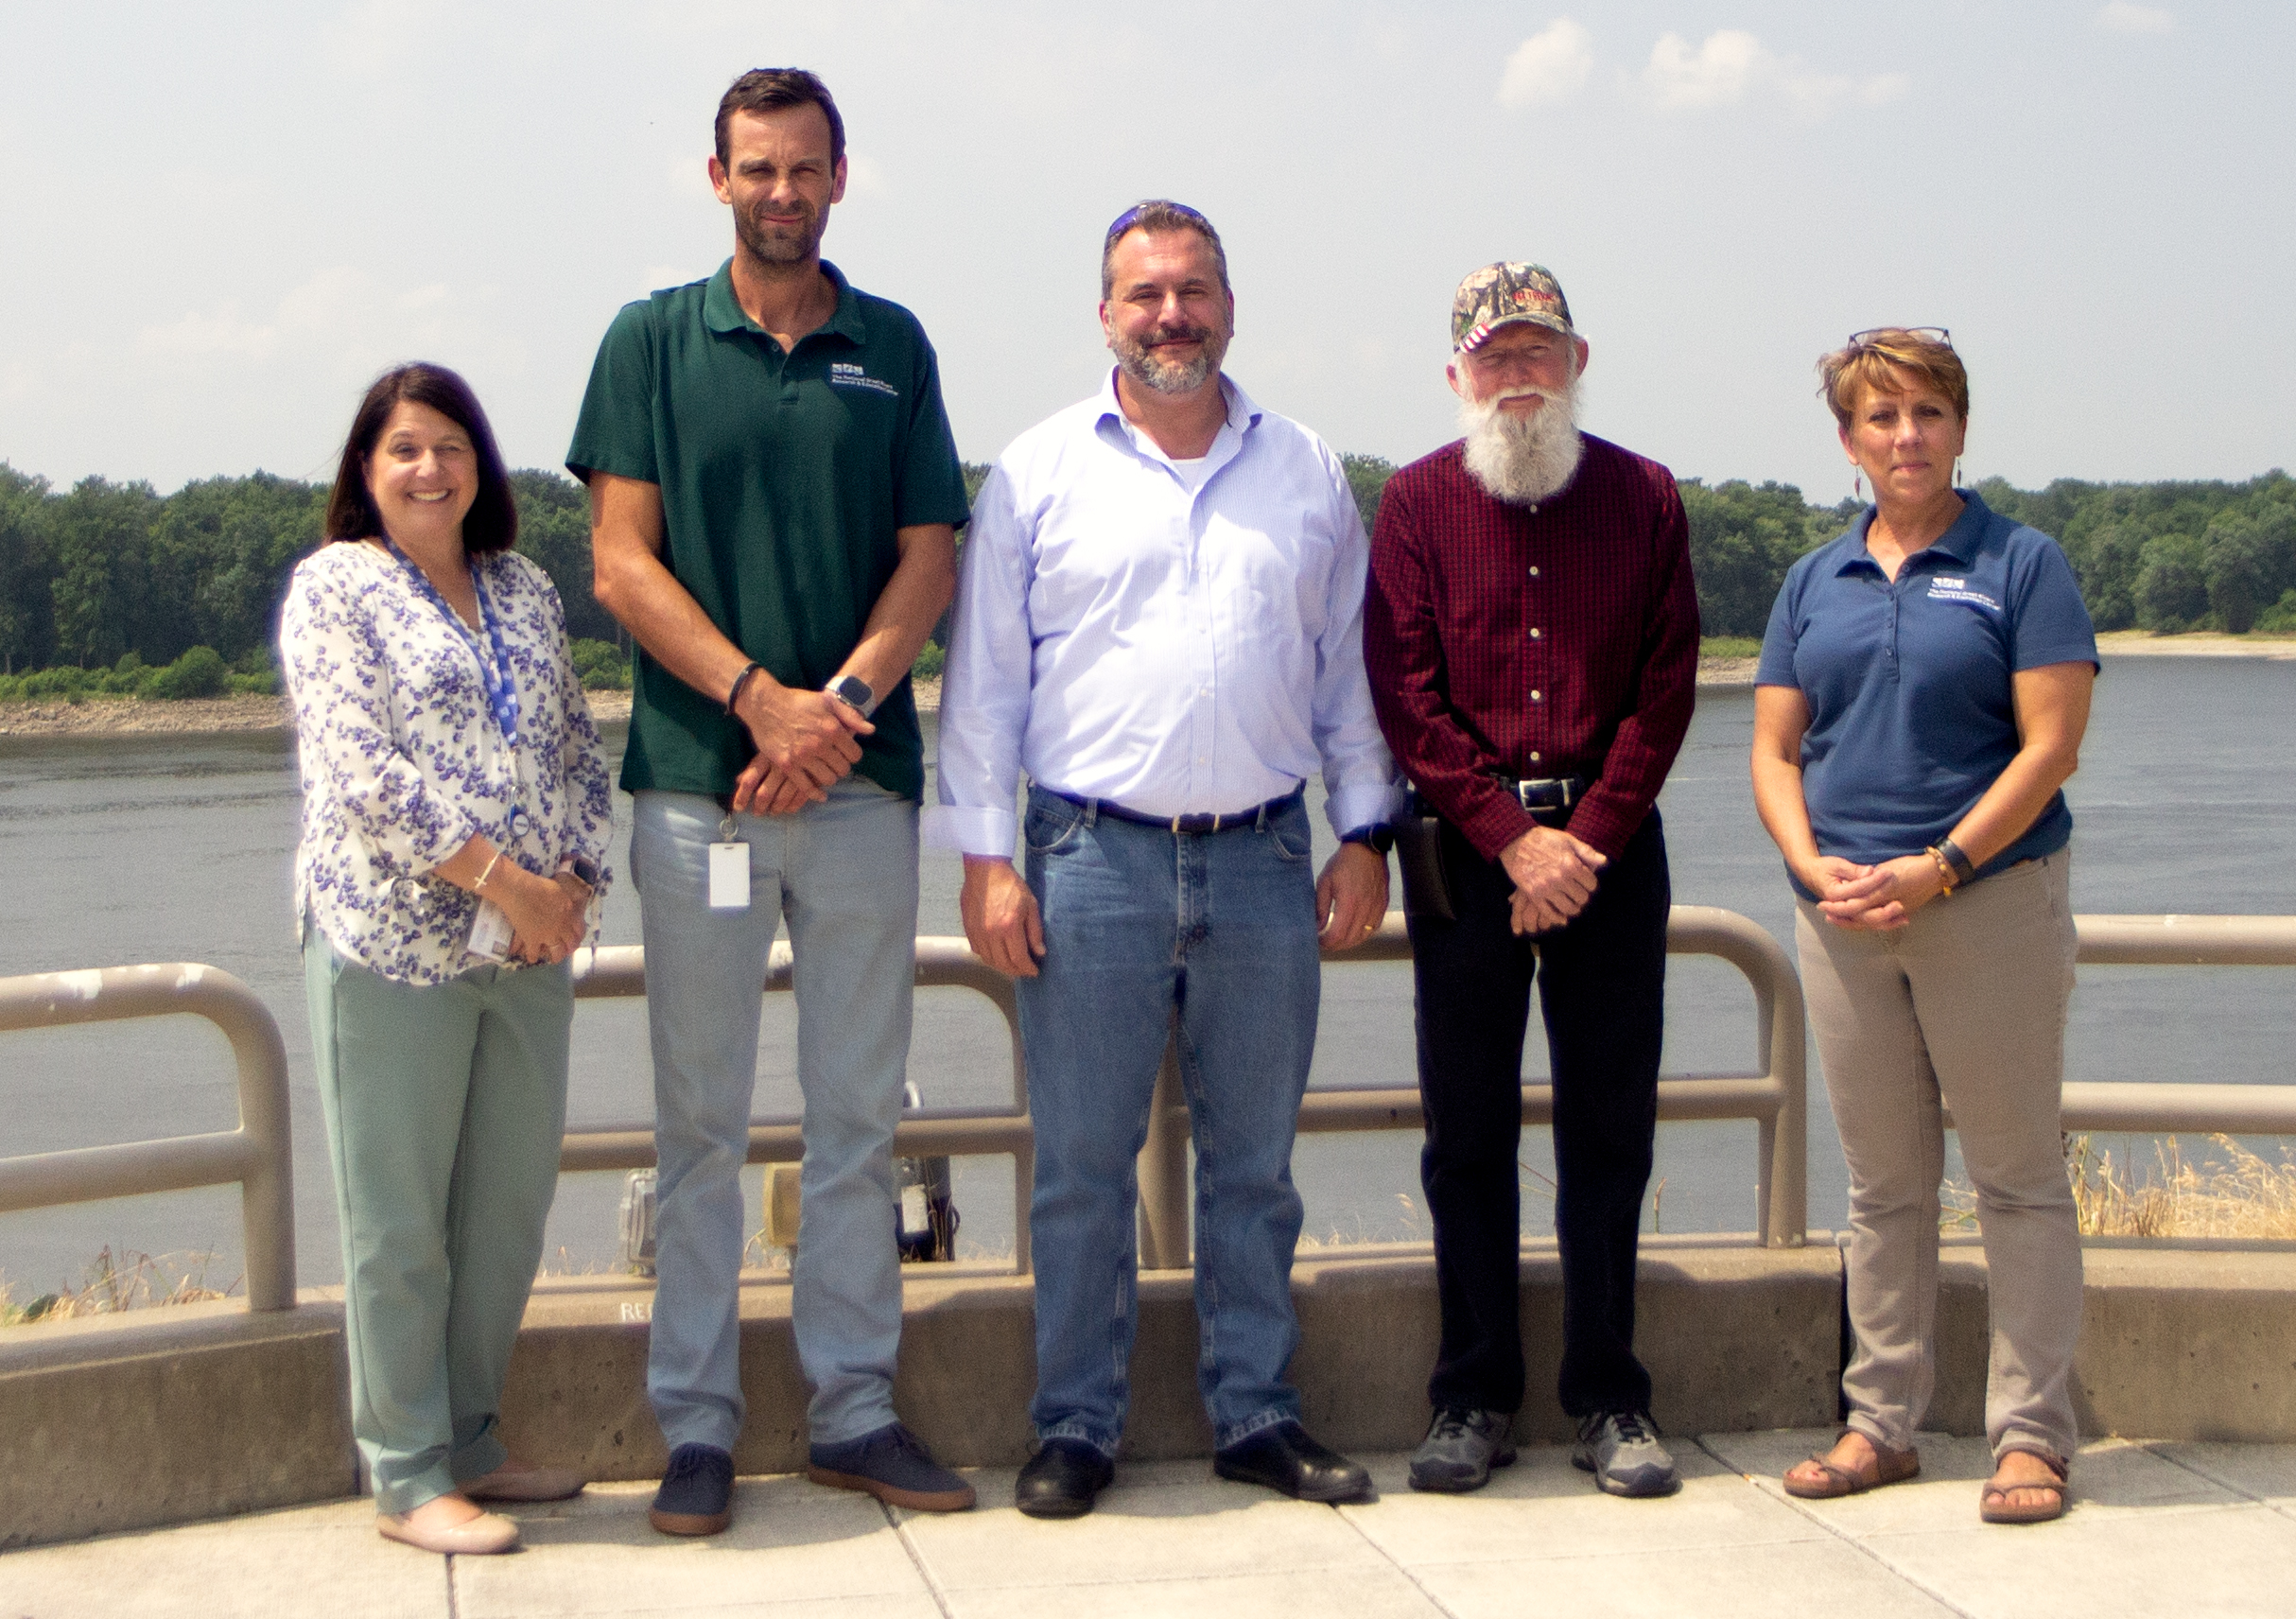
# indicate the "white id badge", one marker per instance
pixel 490 933
pixel 729 876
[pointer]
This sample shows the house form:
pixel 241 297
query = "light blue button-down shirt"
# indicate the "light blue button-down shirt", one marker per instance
pixel 1177 651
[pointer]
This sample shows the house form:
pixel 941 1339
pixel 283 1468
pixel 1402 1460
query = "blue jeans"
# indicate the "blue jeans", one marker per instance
pixel 444 1105
pixel 844 873
pixel 1213 932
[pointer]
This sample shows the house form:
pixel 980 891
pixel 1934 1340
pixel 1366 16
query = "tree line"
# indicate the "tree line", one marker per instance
pixel 115 586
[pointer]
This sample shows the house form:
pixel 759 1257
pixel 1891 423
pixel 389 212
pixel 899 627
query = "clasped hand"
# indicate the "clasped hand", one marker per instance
pixel 1872 898
pixel 550 917
pixel 1554 874
pixel 806 742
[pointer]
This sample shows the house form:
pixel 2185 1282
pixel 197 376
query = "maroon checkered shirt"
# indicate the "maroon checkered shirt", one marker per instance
pixel 1555 639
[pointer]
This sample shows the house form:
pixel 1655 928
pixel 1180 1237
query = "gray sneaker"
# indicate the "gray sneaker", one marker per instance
pixel 1622 1450
pixel 1460 1450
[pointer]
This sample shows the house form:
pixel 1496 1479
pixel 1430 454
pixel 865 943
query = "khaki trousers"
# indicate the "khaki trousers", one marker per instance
pixel 1966 1005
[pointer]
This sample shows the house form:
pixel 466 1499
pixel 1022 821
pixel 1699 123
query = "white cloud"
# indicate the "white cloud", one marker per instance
pixel 1733 66
pixel 1552 65
pixel 2123 18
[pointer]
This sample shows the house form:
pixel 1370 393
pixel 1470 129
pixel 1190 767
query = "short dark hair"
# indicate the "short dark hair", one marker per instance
pixel 493 523
pixel 1157 215
pixel 771 89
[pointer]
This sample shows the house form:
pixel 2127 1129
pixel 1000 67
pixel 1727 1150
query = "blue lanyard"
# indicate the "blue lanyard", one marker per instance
pixel 501 689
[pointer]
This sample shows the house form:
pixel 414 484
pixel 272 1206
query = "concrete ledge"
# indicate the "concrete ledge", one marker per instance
pixel 203 1411
pixel 2175 1343
pixel 165 1415
pixel 1736 1337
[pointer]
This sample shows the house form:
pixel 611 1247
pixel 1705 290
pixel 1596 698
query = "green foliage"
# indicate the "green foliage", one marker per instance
pixel 1367 479
pixel 107 588
pixel 199 672
pixel 930 663
pixel 602 664
pixel 114 570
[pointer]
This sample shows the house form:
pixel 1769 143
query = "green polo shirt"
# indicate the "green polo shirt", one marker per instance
pixel 783 479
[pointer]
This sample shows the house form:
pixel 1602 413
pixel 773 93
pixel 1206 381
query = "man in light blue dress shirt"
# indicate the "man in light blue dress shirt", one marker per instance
pixel 1160 622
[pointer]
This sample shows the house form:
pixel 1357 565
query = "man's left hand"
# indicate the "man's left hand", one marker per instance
pixel 1350 896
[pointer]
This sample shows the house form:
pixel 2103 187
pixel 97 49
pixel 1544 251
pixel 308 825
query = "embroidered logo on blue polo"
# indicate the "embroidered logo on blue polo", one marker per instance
pixel 1945 589
pixel 843 374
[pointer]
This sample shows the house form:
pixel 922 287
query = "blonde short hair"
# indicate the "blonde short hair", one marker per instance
pixel 1887 360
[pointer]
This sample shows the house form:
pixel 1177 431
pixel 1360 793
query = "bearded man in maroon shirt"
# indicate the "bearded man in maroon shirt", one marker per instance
pixel 1532 634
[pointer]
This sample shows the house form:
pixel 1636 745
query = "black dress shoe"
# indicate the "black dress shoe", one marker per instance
pixel 1285 1459
pixel 1061 1479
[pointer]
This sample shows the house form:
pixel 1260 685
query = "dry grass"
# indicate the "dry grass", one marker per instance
pixel 2228 1192
pixel 129 1282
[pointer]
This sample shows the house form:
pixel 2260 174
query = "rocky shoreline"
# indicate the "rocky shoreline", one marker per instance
pixel 216 716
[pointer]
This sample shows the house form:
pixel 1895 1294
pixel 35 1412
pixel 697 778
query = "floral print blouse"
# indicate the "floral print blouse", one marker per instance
pixel 403 761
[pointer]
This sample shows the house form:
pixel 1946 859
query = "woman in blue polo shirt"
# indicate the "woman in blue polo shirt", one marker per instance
pixel 1923 686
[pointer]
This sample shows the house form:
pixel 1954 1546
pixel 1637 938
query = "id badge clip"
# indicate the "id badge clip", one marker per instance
pixel 728 870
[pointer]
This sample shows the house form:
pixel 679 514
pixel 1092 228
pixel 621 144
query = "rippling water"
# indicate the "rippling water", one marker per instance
pixel 156 848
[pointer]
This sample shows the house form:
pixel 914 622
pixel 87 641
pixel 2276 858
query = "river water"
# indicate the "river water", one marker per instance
pixel 164 849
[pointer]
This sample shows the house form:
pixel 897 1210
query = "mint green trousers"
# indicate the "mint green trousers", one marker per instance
pixel 444 1105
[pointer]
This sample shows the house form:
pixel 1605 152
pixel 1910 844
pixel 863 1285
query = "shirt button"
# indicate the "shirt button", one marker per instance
pixel 1534 633
pixel 1534 758
pixel 1536 698
pixel 1534 573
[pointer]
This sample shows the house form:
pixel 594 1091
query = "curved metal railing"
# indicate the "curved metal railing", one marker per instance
pixel 258 1155
pixel 258 1158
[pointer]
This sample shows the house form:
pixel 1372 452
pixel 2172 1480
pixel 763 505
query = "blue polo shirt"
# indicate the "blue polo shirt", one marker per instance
pixel 1908 680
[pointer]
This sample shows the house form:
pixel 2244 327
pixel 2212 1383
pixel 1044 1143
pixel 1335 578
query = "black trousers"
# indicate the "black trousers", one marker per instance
pixel 1602 982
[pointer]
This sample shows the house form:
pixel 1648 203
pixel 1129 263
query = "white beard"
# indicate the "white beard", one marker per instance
pixel 1523 459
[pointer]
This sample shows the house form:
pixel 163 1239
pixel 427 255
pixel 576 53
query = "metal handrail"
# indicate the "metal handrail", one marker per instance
pixel 1776 1097
pixel 258 1155
pixel 2156 1108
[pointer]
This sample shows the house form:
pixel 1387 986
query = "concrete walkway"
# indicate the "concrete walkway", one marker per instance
pixel 2182 1529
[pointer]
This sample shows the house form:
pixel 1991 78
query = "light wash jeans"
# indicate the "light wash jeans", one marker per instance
pixel 444 1106
pixel 1963 1007
pixel 1141 928
pixel 844 873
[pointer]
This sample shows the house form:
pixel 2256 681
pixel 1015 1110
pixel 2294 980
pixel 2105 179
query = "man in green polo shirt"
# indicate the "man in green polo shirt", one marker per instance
pixel 773 492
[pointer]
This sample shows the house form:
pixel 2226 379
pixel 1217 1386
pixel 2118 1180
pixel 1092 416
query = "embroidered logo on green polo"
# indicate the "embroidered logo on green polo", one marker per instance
pixel 844 373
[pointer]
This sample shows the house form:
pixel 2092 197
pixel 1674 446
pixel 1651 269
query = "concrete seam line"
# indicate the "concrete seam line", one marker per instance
pixel 2150 1448
pixel 1404 1569
pixel 453 1608
pixel 916 1556
pixel 1850 1541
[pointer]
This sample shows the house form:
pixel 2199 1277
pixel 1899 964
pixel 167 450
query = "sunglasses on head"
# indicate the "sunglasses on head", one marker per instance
pixel 1934 334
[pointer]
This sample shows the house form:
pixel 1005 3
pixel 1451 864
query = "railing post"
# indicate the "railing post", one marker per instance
pixel 1163 1171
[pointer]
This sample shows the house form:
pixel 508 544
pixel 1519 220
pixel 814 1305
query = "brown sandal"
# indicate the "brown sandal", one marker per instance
pixel 1993 1505
pixel 1890 1467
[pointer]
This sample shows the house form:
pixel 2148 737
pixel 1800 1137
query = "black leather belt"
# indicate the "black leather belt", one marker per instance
pixel 1536 793
pixel 1225 821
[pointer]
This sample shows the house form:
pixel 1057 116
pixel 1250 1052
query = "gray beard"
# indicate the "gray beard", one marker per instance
pixel 1523 459
pixel 1166 376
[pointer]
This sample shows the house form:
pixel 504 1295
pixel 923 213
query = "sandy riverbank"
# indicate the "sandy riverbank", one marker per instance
pixel 206 716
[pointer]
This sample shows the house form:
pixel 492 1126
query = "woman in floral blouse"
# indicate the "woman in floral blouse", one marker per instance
pixel 455 811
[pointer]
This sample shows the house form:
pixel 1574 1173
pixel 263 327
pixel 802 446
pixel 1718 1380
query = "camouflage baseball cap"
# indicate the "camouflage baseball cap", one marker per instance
pixel 1499 294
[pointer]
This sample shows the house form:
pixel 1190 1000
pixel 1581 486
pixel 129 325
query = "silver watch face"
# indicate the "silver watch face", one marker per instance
pixel 854 690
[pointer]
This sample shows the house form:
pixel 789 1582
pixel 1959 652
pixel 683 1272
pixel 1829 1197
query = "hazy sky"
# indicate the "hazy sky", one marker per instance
pixel 222 221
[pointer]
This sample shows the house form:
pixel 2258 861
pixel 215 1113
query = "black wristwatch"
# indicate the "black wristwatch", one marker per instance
pixel 584 870
pixel 852 690
pixel 1378 837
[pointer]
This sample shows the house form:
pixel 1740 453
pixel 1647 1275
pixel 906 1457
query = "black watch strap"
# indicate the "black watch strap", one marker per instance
pixel 1378 837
